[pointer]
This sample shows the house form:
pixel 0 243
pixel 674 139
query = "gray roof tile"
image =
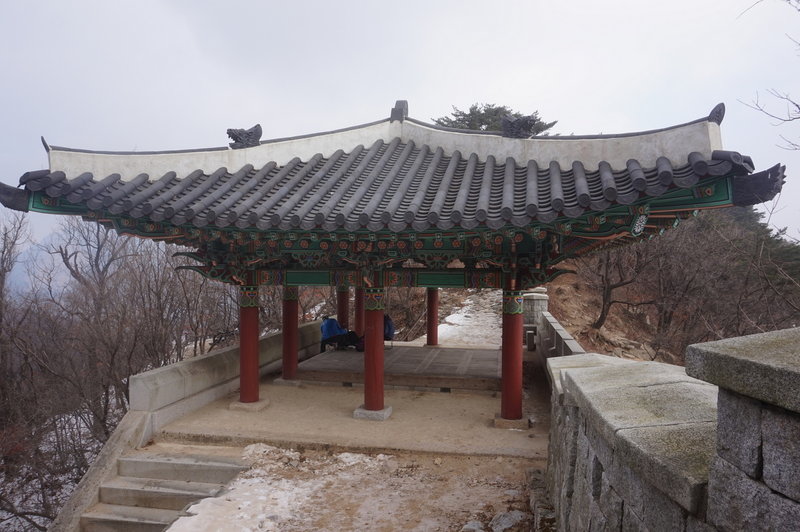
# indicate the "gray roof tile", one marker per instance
pixel 392 185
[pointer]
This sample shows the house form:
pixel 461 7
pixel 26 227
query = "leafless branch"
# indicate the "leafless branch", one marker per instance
pixel 749 8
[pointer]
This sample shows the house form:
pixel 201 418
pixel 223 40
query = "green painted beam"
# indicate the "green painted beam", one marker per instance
pixel 441 279
pixel 312 278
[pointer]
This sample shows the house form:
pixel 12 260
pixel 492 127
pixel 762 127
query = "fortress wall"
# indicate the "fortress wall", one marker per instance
pixel 644 446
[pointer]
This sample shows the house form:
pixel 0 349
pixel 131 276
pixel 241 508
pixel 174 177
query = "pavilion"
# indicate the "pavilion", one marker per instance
pixel 398 202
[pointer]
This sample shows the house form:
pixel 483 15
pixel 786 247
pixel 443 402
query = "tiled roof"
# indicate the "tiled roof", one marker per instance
pixel 388 185
pixel 395 175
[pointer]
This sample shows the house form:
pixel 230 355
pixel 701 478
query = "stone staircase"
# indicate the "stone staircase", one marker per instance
pixel 153 485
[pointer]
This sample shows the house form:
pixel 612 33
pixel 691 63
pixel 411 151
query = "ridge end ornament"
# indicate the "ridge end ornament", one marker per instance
pixel 245 138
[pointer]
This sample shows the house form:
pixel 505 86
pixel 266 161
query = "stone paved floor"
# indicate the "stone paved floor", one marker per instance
pixel 414 366
pixel 317 416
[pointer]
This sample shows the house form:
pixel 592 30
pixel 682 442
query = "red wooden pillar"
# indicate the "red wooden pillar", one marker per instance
pixel 373 349
pixel 432 316
pixel 343 306
pixel 248 344
pixel 290 335
pixel 511 387
pixel 358 311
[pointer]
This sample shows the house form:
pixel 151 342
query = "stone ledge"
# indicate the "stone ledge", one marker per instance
pixel 638 394
pixel 654 418
pixel 280 381
pixel 762 366
pixel 555 366
pixel 643 394
pixel 673 458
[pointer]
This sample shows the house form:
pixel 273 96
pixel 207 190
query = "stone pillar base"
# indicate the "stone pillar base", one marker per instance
pixel 519 424
pixel 256 406
pixel 280 381
pixel 372 415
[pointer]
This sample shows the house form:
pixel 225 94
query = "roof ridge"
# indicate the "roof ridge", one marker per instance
pixel 400 113
pixel 716 116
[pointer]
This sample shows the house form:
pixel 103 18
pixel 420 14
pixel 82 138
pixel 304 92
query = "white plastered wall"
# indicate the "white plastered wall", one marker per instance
pixel 675 144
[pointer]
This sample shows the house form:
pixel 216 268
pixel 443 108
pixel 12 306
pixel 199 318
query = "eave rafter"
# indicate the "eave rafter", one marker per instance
pixel 529 253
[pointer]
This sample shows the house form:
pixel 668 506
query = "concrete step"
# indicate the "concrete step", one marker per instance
pixel 194 468
pixel 155 493
pixel 112 518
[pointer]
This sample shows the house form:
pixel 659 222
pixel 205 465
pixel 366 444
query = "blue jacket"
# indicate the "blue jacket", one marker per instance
pixel 388 328
pixel 331 328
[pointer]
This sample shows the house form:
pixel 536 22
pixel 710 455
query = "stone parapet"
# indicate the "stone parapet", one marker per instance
pixel 557 365
pixel 553 340
pixel 643 434
pixel 644 446
pixel 564 420
pixel 550 338
pixel 754 481
pixel 761 366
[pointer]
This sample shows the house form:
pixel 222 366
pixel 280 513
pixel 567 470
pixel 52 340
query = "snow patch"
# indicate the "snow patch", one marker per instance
pixel 273 492
pixel 478 322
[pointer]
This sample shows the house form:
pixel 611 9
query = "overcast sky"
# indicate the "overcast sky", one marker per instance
pixel 157 74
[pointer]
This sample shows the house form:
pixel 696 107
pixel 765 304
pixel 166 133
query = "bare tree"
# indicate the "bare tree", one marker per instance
pixel 788 107
pixel 13 233
pixel 100 308
pixel 612 269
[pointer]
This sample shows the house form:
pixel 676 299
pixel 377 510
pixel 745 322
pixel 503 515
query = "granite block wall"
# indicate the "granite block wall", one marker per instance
pixel 649 446
pixel 754 479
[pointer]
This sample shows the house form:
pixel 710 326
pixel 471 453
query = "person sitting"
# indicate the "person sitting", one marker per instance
pixel 388 333
pixel 350 339
pixel 332 334
pixel 388 328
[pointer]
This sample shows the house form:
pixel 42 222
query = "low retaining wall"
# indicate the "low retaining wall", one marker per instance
pixel 129 434
pixel 175 390
pixel 544 335
pixel 644 446
pixel 165 394
pixel 553 340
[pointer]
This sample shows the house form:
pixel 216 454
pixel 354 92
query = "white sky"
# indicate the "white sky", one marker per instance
pixel 154 75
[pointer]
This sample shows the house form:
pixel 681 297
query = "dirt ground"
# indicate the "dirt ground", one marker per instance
pixel 300 490
pixel 625 335
pixel 436 464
